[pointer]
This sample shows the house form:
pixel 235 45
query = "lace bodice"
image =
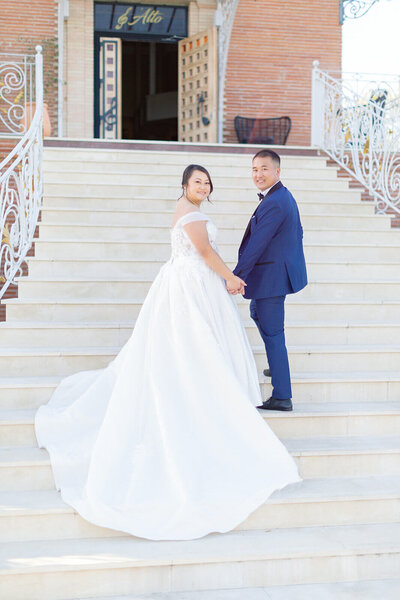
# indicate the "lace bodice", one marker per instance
pixel 181 244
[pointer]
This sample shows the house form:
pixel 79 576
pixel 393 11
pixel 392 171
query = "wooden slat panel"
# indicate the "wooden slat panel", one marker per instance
pixel 198 78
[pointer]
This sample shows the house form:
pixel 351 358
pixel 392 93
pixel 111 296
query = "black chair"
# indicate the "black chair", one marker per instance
pixel 272 132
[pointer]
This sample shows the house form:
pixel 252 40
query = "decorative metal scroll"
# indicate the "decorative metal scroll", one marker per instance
pixel 21 191
pixel 356 120
pixel 16 93
pixel 354 9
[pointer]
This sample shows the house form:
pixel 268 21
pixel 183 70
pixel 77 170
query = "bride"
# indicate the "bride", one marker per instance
pixel 165 442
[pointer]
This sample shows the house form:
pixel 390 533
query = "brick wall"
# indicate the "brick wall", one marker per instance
pixel 272 46
pixel 23 25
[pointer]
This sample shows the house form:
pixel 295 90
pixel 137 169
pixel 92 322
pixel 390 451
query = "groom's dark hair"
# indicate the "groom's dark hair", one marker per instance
pixel 273 155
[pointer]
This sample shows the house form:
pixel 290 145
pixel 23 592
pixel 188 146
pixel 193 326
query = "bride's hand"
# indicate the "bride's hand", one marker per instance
pixel 235 285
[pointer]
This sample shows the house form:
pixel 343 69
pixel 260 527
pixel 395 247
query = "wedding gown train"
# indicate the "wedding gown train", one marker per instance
pixel 165 442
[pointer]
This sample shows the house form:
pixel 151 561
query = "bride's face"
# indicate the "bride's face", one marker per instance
pixel 198 187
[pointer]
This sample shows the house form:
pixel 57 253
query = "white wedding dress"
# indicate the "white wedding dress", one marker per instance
pixel 165 442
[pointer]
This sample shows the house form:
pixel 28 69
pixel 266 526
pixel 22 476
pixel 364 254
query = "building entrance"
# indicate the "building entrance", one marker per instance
pixel 149 90
pixel 136 70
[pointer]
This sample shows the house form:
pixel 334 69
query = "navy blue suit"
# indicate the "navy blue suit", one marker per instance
pixel 271 262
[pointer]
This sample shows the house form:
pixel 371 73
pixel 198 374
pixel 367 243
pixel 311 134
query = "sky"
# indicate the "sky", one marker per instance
pixel 371 44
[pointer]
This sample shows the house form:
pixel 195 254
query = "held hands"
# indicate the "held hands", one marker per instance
pixel 235 285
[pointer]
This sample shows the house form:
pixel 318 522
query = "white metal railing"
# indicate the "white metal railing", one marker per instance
pixel 21 187
pixel 356 121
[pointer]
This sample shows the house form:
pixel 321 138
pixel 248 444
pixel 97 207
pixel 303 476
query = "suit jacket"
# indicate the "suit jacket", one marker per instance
pixel 271 257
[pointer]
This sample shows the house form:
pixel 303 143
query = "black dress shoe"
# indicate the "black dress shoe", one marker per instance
pixel 276 404
pixel 267 372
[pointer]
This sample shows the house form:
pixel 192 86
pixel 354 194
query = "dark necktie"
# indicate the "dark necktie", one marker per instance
pixel 260 196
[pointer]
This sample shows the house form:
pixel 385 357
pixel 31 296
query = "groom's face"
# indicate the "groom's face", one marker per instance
pixel 265 172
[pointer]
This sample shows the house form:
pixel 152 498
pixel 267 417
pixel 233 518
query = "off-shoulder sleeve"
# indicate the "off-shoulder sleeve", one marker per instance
pixel 193 216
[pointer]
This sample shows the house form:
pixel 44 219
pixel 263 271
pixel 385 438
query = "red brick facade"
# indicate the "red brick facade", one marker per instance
pixel 23 25
pixel 272 48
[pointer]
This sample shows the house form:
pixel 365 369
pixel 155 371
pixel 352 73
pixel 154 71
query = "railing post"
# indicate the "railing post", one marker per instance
pixel 39 76
pixel 39 108
pixel 317 107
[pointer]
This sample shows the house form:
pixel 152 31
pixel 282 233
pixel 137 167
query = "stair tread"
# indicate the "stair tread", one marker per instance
pixel 129 324
pixel 320 377
pixel 170 212
pixel 141 279
pixel 226 194
pixel 150 226
pixel 111 350
pixel 340 262
pixel 16 503
pixel 301 409
pixel 125 552
pixel 314 446
pixel 220 244
pixel 117 301
pixel 386 589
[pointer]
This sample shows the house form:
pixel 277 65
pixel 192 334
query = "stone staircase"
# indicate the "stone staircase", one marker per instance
pixel 103 236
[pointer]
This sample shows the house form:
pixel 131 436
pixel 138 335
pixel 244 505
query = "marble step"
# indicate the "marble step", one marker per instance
pixel 308 205
pixel 220 174
pixel 30 392
pixel 145 219
pixel 48 333
pixel 239 559
pixel 88 231
pixel 91 268
pixel 131 287
pixel 18 361
pixel 28 468
pixel 314 419
pixel 69 249
pixel 43 515
pixel 128 267
pixel 381 589
pixel 310 202
pixel 177 159
pixel 172 181
pixel 103 309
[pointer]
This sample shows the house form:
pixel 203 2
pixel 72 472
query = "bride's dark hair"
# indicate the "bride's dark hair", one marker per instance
pixel 187 173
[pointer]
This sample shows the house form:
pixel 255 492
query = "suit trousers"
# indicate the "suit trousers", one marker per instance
pixel 269 316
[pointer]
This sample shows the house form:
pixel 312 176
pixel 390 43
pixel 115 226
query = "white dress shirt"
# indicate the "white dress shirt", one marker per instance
pixel 265 192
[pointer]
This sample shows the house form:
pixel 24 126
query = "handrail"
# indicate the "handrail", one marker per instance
pixel 356 121
pixel 21 188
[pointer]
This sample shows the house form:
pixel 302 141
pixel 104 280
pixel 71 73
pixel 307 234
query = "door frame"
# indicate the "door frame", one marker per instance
pixel 125 37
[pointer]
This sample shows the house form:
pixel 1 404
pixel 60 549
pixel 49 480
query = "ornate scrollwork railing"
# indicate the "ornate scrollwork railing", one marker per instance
pixel 356 121
pixel 16 92
pixel 354 9
pixel 21 190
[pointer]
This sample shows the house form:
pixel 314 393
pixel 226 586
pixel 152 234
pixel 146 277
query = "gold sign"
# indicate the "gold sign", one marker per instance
pixel 149 16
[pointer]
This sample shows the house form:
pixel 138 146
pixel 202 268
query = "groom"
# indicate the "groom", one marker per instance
pixel 271 262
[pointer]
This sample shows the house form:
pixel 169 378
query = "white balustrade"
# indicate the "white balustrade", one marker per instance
pixel 356 121
pixel 224 18
pixel 21 171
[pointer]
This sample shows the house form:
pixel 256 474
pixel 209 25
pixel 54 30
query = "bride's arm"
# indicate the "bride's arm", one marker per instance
pixel 197 231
